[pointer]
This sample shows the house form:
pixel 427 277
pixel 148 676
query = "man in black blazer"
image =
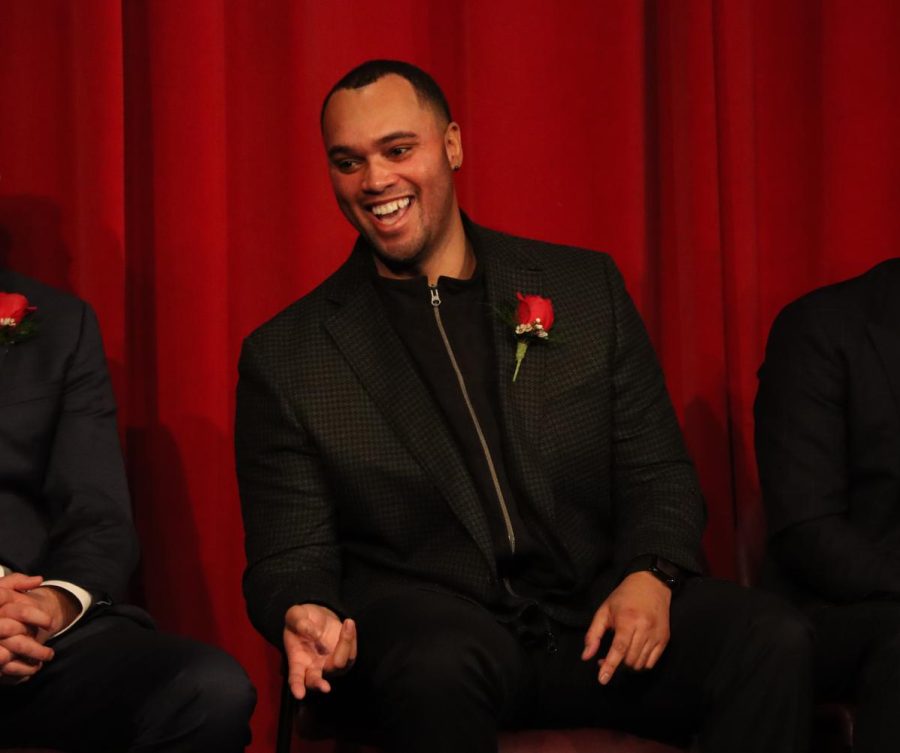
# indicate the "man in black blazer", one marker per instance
pixel 79 670
pixel 828 448
pixel 468 513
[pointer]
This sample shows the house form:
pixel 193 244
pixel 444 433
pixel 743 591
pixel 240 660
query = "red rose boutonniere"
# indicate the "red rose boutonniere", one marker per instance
pixel 15 326
pixel 534 319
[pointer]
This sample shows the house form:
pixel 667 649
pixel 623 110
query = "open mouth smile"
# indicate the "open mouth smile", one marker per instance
pixel 390 212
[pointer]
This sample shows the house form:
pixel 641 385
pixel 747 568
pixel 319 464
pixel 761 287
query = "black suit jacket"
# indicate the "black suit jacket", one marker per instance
pixel 352 485
pixel 828 440
pixel 64 503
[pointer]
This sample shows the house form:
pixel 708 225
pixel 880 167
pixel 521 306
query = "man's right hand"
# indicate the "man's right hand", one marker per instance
pixel 316 643
pixel 21 654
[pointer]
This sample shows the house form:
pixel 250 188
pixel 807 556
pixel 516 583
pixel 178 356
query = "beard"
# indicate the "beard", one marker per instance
pixel 406 259
pixel 402 265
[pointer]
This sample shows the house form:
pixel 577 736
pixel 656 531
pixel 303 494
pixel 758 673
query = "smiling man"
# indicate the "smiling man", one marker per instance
pixel 391 156
pixel 458 521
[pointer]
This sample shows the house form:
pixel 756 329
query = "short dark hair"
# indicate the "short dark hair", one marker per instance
pixel 369 72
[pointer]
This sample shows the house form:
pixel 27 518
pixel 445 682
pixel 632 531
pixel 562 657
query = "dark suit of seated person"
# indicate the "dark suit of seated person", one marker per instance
pixel 79 670
pixel 828 448
pixel 496 545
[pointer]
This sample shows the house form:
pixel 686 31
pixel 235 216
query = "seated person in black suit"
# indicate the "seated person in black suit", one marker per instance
pixel 79 670
pixel 501 531
pixel 828 448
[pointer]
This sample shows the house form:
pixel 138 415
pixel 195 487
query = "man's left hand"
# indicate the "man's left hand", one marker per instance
pixel 638 614
pixel 30 614
pixel 21 654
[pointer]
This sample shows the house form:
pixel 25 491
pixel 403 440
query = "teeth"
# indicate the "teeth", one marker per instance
pixel 390 207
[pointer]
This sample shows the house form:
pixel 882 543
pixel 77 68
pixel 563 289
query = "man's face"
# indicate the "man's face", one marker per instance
pixel 391 159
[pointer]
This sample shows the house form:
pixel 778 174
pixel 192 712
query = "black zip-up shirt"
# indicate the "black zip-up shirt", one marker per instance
pixel 467 322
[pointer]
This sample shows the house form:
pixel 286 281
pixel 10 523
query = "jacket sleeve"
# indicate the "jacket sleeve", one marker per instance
pixel 802 453
pixel 289 519
pixel 837 561
pixel 659 507
pixel 92 541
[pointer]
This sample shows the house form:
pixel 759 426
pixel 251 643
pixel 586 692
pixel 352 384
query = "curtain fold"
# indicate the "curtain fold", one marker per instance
pixel 163 160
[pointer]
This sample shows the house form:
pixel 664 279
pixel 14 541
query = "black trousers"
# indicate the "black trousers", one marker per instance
pixel 857 659
pixel 115 685
pixel 437 673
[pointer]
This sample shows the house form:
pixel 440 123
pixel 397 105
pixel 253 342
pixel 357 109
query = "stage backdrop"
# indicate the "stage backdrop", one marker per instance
pixel 162 160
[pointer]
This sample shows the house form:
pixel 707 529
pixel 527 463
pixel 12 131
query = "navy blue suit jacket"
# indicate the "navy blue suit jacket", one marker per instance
pixel 64 502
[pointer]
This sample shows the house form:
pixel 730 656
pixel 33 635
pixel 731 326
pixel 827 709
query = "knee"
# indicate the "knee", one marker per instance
pixel 224 684
pixel 428 650
pixel 781 634
pixel 213 681
pixel 209 701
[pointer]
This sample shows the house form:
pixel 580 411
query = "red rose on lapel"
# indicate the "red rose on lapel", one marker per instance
pixel 534 313
pixel 13 307
pixel 534 318
pixel 14 327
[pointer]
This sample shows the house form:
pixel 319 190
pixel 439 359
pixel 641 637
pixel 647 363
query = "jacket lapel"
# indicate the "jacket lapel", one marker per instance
pixel 510 268
pixel 365 337
pixel 522 398
pixel 884 325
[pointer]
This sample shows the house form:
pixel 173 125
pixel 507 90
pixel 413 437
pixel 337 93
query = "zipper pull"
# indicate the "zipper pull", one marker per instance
pixel 435 296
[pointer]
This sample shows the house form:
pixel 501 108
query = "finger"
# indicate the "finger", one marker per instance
pixel 26 647
pixel 618 649
pixel 18 668
pixel 305 673
pixel 299 657
pixel 297 681
pixel 28 614
pixel 346 645
pixel 595 633
pixel 641 662
pixel 10 627
pixel 298 661
pixel 639 641
pixel 353 648
pixel 11 596
pixel 315 681
pixel 20 581
pixel 655 654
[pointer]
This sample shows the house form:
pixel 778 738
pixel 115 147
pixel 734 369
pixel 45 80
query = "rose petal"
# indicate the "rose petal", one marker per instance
pixel 14 306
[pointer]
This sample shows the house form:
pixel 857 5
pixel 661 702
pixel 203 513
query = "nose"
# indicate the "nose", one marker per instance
pixel 377 177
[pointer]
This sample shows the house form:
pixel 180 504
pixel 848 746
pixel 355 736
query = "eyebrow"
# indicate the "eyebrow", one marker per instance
pixel 387 139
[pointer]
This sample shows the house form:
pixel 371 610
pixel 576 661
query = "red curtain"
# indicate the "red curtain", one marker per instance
pixel 162 160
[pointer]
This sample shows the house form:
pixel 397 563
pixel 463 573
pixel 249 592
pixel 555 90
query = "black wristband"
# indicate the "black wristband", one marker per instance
pixel 669 574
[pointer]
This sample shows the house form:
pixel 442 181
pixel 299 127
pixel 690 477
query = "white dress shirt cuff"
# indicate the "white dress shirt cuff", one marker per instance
pixel 83 597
